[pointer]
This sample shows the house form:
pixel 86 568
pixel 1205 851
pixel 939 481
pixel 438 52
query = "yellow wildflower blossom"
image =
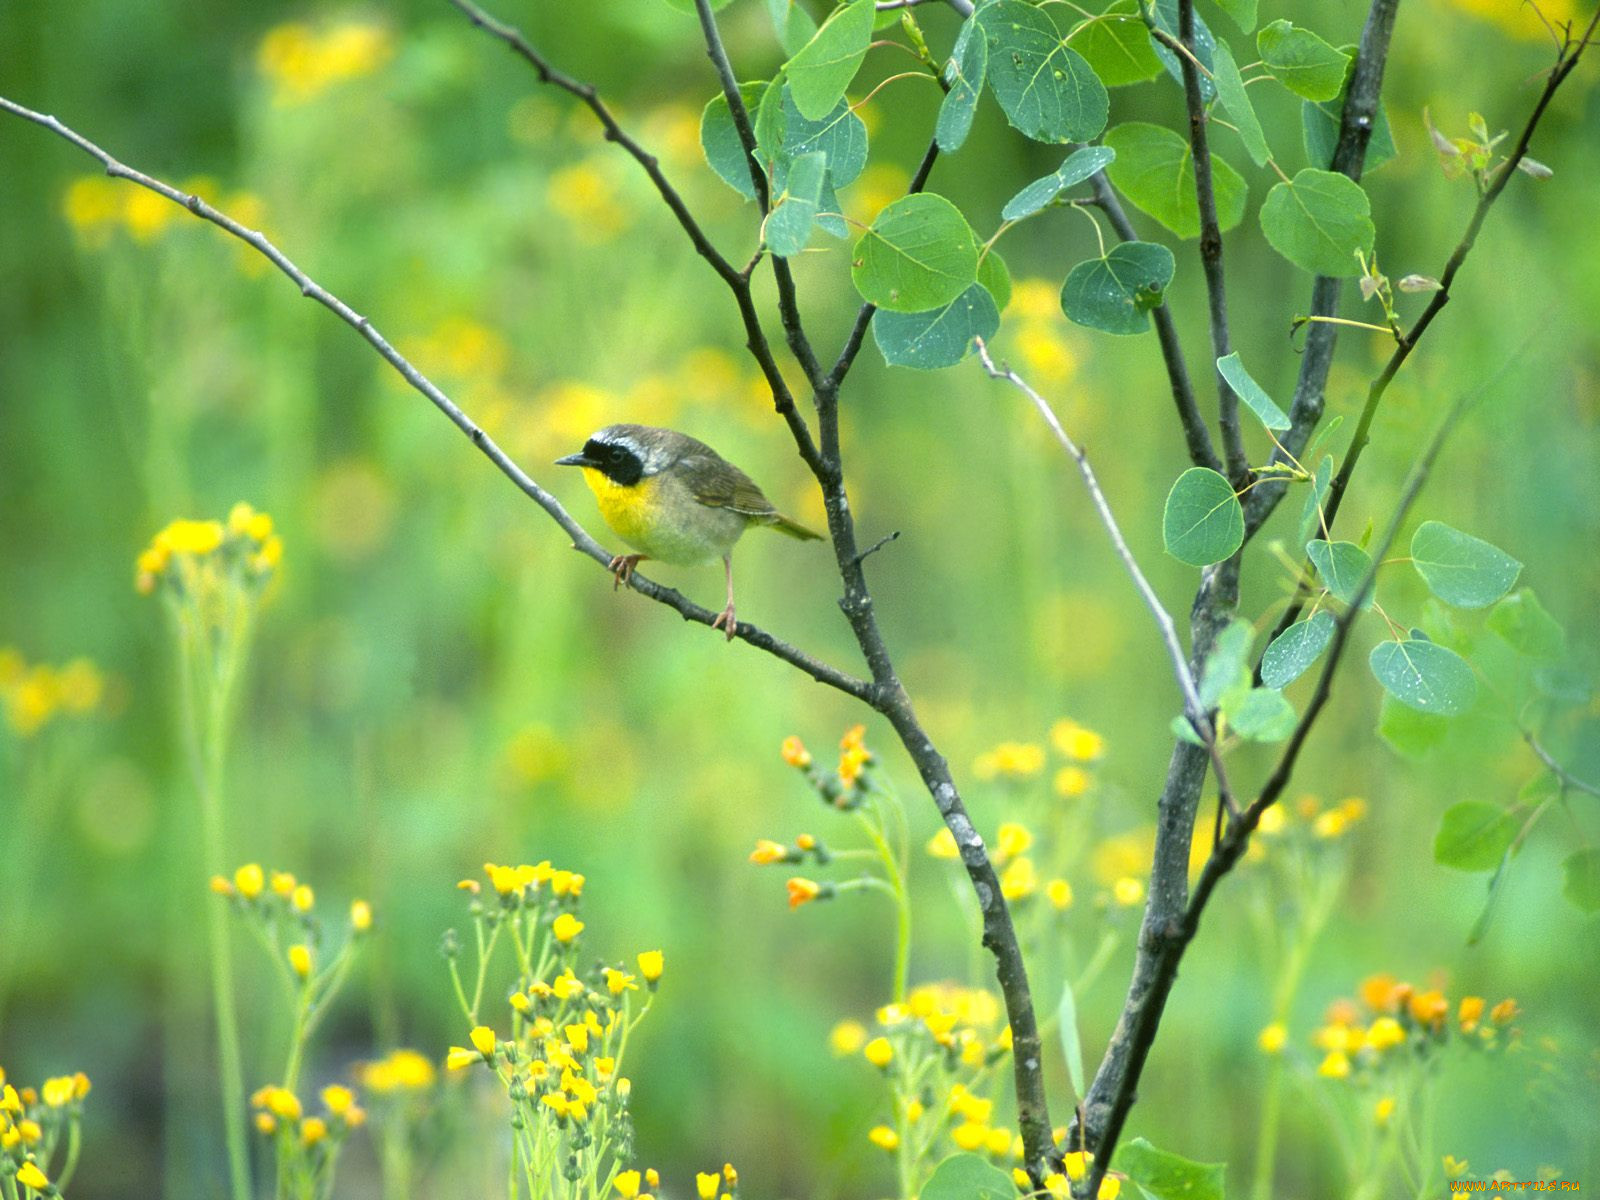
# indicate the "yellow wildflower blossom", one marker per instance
pixel 566 927
pixel 884 1138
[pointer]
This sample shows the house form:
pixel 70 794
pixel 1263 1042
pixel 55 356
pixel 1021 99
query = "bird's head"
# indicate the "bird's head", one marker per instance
pixel 624 454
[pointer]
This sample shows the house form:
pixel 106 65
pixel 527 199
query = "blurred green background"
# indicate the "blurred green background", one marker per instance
pixel 438 680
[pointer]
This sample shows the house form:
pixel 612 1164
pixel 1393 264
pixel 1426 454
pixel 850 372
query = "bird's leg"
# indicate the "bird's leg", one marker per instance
pixel 621 568
pixel 725 621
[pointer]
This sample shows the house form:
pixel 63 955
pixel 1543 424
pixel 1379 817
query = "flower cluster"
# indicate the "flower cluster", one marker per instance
pixel 198 557
pixel 1077 749
pixel 1074 1167
pixel 560 1066
pixel 35 1123
pixel 33 694
pixel 300 62
pixel 847 785
pixel 307 1145
pixel 1392 1017
pixel 281 909
pixel 937 1051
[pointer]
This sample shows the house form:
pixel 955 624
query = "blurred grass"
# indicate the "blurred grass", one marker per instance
pixel 439 680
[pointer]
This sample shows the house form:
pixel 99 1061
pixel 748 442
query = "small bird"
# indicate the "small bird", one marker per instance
pixel 674 499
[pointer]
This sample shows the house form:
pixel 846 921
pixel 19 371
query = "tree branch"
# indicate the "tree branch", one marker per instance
pixel 1566 62
pixel 738 283
pixel 1198 438
pixel 1210 244
pixel 1168 949
pixel 309 288
pixel 1193 708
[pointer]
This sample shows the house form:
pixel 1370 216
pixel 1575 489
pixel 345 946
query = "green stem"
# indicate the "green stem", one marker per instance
pixel 74 1145
pixel 895 878
pixel 297 1038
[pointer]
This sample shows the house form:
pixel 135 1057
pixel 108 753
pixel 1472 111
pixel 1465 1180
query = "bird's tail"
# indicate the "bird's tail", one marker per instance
pixel 793 528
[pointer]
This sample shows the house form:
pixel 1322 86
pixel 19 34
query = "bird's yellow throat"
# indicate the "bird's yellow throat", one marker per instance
pixel 629 509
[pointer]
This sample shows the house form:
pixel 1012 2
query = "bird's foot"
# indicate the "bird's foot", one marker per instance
pixel 726 623
pixel 621 568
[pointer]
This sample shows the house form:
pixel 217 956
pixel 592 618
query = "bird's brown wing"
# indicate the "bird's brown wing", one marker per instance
pixel 717 483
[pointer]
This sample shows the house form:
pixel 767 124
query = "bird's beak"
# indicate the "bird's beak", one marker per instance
pixel 579 459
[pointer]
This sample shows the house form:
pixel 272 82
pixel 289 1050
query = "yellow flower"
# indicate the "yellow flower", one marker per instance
pixel 221 885
pixel 627 1184
pixel 1019 880
pixel 585 194
pixel 1430 1008
pixel 283 1103
pixel 1271 822
pixel 802 891
pixel 401 1070
pixel 618 982
pixel 578 1037
pixel 943 845
pixel 360 916
pixel 482 1037
pixel 1012 840
pixel 337 1099
pixel 1110 1188
pixel 503 879
pixel 1454 1168
pixel 707 1186
pixel 1272 1038
pixel 303 898
pixel 768 852
pixel 969 1135
pixel 847 1037
pixel 884 1138
pixel 878 1052
pixel 1073 741
pixel 1470 1012
pixel 1505 1011
pixel 1046 351
pixel 1010 760
pixel 283 883
pixel 1059 893
pixel 29 1132
pixel 192 537
pixel 1036 299
pixel 313 1130
pixel 1071 782
pixel 795 753
pixel 1384 1033
pixel 300 959
pixel 1127 891
pixel 729 1175
pixel 998 1143
pixel 1383 1110
pixel 1076 1164
pixel 1330 824
pixel 29 1175
pixel 249 879
pixel 566 927
pixel 651 964
pixel 566 986
pixel 1335 1066
pixel 460 1057
pixel 972 1109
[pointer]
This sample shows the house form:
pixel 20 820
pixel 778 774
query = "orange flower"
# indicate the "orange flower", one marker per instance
pixel 795 753
pixel 1430 1008
pixel 802 891
pixel 767 852
pixel 1379 992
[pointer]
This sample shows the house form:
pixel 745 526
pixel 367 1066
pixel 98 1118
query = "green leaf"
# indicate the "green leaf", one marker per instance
pixel 1044 87
pixel 1294 650
pixel 1581 884
pixel 1251 392
pixel 1342 566
pixel 918 254
pixel 940 338
pixel 1311 512
pixel 1166 15
pixel 969 61
pixel 1474 836
pixel 968 1177
pixel 1318 221
pixel 1409 732
pixel 1319 128
pixel 1203 522
pixel 1116 293
pixel 822 70
pixel 829 209
pixel 719 138
pixel 1425 675
pixel 841 135
pixel 1231 91
pixel 1523 622
pixel 1165 1176
pixel 1227 667
pixel 1117 45
pixel 1155 171
pixel 793 24
pixel 1459 568
pixel 1079 165
pixel 787 228
pixel 1243 13
pixel 1301 61
pixel 1071 1040
pixel 1260 715
pixel 995 277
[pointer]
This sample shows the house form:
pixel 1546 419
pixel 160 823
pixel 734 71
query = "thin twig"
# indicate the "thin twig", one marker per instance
pixel 878 545
pixel 818 670
pixel 737 282
pixel 1555 768
pixel 1194 710
pixel 1196 436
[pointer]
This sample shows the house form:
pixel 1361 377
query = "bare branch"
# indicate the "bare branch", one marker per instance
pixel 1567 778
pixel 738 283
pixel 759 638
pixel 1198 438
